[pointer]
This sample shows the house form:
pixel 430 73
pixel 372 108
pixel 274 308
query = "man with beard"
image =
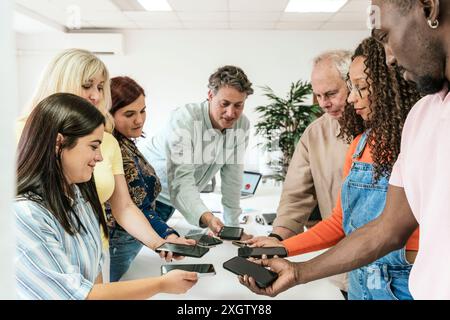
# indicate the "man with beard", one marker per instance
pixel 416 37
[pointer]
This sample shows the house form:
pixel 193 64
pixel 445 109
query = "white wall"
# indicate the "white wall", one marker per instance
pixel 9 112
pixel 174 66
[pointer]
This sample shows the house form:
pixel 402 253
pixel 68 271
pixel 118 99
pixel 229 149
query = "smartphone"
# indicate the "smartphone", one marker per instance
pixel 241 266
pixel 205 240
pixel 203 270
pixel 270 252
pixel 269 217
pixel 194 232
pixel 239 243
pixel 183 249
pixel 230 233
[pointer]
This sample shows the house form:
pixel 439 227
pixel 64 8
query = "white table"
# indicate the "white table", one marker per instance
pixel 225 285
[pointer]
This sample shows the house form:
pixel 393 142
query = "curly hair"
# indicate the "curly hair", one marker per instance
pixel 391 97
pixel 231 76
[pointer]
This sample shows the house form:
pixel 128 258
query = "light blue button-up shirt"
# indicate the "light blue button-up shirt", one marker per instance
pixel 188 152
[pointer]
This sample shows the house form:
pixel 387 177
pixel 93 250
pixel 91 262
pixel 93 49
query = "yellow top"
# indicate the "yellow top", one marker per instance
pixel 104 171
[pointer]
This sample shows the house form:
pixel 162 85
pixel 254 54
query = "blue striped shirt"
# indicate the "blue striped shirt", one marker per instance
pixel 50 263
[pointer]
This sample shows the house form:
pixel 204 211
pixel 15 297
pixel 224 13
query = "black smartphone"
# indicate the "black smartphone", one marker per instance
pixel 183 249
pixel 205 240
pixel 230 233
pixel 203 269
pixel 270 252
pixel 269 218
pixel 239 243
pixel 241 266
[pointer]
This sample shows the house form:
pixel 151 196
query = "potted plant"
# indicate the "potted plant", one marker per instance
pixel 283 121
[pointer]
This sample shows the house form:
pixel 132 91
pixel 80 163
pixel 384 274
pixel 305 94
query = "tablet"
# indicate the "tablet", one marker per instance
pixel 240 266
pixel 183 249
pixel 270 252
pixel 202 270
pixel 230 233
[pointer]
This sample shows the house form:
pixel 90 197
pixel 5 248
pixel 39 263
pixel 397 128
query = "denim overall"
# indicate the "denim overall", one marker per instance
pixel 363 200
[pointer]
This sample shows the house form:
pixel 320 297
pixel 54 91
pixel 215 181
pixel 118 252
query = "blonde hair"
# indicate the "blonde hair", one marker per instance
pixel 67 72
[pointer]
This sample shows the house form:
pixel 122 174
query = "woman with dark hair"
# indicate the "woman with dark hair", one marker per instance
pixel 82 73
pixel 129 112
pixel 380 100
pixel 58 211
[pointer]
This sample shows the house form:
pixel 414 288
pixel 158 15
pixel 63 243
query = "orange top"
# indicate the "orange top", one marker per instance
pixel 330 231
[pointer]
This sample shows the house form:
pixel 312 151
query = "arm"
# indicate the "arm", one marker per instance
pixel 160 226
pixel 231 178
pixel 328 232
pixel 130 217
pixel 231 184
pixel 296 192
pixel 387 233
pixel 323 235
pixel 176 281
pixel 390 231
pixel 180 156
pixel 298 198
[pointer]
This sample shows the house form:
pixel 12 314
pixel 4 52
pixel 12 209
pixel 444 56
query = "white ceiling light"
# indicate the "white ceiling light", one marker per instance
pixel 155 5
pixel 314 5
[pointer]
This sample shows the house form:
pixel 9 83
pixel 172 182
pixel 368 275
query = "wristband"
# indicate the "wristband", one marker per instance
pixel 277 236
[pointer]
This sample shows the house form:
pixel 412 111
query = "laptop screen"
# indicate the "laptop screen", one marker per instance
pixel 250 181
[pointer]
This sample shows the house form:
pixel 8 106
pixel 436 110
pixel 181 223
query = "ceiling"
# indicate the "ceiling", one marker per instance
pixel 186 15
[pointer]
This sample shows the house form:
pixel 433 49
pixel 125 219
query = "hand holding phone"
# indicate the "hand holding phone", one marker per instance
pixel 183 249
pixel 240 266
pixel 205 240
pixel 202 270
pixel 230 233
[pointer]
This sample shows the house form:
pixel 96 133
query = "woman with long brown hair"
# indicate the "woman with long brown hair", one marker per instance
pixel 82 73
pixel 58 211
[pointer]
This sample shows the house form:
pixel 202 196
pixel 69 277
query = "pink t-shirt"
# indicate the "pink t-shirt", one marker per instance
pixel 423 170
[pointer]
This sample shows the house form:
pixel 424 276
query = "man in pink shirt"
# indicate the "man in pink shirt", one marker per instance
pixel 416 36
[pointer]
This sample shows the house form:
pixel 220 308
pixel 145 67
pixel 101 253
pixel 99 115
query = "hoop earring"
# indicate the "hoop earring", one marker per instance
pixel 433 24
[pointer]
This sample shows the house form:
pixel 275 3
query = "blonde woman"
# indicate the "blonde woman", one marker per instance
pixel 81 73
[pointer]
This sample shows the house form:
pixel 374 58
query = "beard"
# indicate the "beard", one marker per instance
pixel 429 85
pixel 431 79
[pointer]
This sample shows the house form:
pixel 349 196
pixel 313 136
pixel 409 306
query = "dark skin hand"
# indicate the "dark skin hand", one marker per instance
pixel 388 232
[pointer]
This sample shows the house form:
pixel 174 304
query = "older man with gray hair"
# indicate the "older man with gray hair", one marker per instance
pixel 314 176
pixel 200 140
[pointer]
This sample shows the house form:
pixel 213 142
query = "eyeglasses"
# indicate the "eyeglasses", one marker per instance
pixel 357 88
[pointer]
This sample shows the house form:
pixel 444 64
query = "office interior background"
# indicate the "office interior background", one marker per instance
pixel 170 50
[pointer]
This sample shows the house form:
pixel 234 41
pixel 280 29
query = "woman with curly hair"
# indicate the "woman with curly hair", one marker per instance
pixel 379 102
